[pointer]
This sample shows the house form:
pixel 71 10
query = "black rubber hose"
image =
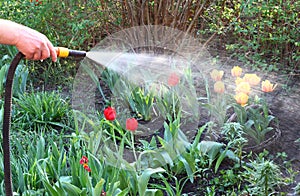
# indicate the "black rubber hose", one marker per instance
pixel 7 117
pixel 7 122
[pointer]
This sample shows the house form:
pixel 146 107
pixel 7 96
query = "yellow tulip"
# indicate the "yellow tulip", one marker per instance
pixel 236 71
pixel 243 87
pixel 241 98
pixel 252 79
pixel 239 80
pixel 267 86
pixel 219 87
pixel 216 75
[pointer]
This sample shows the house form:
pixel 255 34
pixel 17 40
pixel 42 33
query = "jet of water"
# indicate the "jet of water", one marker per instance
pixel 140 67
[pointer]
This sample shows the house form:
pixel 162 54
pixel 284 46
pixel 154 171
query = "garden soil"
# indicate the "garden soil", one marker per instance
pixel 285 105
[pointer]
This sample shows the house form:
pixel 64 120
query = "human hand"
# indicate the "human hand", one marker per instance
pixel 31 43
pixel 35 45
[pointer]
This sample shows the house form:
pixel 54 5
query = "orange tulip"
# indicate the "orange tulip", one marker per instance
pixel 252 79
pixel 216 75
pixel 241 98
pixel 243 87
pixel 219 87
pixel 267 86
pixel 236 71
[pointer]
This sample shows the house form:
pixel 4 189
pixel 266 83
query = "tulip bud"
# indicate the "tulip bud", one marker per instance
pixel 173 79
pixel 131 124
pixel 110 113
pixel 243 87
pixel 267 86
pixel 239 80
pixel 236 71
pixel 219 87
pixel 216 75
pixel 241 98
pixel 252 79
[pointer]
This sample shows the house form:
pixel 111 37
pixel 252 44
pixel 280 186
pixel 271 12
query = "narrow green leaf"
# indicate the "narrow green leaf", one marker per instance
pixel 210 148
pixel 144 179
pixel 99 187
pixel 50 189
pixel 188 168
pixel 71 189
pixel 220 159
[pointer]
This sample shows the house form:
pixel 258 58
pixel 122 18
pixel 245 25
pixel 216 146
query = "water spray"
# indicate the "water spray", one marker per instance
pixel 61 52
pixel 143 57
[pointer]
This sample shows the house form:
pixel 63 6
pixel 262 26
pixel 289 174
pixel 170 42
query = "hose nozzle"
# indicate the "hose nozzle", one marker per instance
pixel 65 52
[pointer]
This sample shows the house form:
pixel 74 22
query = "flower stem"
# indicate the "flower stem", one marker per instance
pixel 133 149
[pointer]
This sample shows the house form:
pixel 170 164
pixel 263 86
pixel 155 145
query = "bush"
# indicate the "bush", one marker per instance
pixel 263 33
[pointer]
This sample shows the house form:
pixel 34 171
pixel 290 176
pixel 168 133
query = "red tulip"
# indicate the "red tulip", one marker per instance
pixel 173 79
pixel 110 113
pixel 131 124
pixel 86 167
pixel 83 160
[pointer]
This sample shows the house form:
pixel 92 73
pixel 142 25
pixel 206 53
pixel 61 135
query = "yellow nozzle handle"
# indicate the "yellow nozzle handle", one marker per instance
pixel 62 52
pixel 65 52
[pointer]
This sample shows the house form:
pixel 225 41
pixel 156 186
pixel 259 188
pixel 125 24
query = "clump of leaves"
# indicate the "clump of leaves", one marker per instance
pixel 41 110
pixel 256 120
pixel 264 177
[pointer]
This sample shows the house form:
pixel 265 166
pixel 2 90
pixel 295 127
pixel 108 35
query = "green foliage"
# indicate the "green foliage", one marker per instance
pixel 65 23
pixel 171 189
pixel 234 134
pixel 72 24
pixel 256 120
pixel 41 110
pixel 264 177
pixel 141 102
pixel 228 182
pixel 167 103
pixel 262 33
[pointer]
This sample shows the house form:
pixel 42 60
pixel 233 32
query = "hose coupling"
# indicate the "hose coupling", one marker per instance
pixel 65 52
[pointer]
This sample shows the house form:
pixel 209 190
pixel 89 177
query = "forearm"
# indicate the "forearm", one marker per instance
pixel 33 44
pixel 9 32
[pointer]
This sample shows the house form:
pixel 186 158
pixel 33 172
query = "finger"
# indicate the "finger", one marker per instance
pixel 37 55
pixel 28 56
pixel 52 50
pixel 45 53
